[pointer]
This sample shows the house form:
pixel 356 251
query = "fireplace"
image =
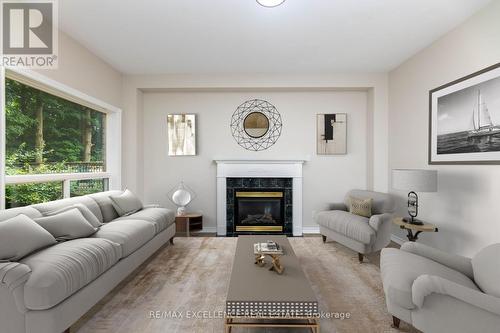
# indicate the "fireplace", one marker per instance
pixel 259 206
pixel 259 211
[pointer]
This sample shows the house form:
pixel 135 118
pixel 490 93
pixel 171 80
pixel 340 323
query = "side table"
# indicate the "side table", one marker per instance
pixel 414 230
pixel 185 224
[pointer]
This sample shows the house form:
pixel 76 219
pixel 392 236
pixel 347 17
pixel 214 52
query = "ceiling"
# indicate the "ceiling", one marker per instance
pixel 240 36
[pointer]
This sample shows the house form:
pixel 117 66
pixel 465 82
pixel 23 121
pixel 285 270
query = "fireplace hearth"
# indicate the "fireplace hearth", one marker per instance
pixel 259 206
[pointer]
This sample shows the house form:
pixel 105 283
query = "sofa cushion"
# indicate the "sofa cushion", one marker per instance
pixel 399 269
pixel 70 224
pixel 13 212
pixel 61 270
pixel 486 268
pixel 20 236
pixel 353 226
pixel 50 207
pixel 130 234
pixel 126 203
pixel 87 213
pixel 161 217
pixel 102 199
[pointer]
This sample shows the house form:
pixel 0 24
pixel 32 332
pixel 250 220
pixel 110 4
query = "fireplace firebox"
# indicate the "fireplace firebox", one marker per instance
pixel 259 206
pixel 259 211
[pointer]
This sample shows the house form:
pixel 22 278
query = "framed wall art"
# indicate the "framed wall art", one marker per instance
pixel 464 120
pixel 181 130
pixel 331 134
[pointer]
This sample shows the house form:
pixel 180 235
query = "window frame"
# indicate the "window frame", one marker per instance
pixel 112 136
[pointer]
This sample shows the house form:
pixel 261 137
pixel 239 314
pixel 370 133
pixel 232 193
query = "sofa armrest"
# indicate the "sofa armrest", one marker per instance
pixel 13 274
pixel 338 206
pixel 376 221
pixel 453 261
pixel 426 285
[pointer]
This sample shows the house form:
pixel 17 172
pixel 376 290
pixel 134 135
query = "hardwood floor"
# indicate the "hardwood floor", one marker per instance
pixel 193 276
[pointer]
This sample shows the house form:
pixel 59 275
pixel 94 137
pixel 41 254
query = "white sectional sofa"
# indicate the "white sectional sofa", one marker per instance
pixel 49 290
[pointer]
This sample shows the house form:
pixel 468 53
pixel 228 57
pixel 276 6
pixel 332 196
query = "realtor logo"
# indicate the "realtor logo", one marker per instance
pixel 29 33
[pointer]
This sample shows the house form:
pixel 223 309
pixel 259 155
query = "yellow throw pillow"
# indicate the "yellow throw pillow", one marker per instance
pixel 361 207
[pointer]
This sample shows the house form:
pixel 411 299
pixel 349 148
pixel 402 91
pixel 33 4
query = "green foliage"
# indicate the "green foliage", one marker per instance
pixel 64 125
pixel 27 194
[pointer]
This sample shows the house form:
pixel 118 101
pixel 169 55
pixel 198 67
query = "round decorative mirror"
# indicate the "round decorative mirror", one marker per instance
pixel 256 124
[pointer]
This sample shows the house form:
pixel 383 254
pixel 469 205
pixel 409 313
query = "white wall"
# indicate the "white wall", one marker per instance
pixel 135 87
pixel 466 206
pixel 326 178
pixel 82 70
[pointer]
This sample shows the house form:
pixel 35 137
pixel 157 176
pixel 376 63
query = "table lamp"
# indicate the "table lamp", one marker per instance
pixel 181 196
pixel 414 180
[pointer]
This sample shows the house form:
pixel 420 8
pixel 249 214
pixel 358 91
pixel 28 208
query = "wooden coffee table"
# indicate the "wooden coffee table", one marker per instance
pixel 259 297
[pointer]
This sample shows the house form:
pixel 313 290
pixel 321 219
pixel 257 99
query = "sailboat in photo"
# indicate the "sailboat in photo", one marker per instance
pixel 481 120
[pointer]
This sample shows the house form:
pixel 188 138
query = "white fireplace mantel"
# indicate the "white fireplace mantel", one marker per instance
pixel 231 168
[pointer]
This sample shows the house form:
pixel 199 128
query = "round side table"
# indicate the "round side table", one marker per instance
pixel 414 230
pixel 188 222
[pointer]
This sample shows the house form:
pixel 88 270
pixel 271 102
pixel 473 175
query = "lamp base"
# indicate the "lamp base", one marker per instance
pixel 181 211
pixel 412 221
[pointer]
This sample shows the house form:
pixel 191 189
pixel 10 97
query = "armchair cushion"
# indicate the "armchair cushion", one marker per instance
pixel 486 267
pixel 426 285
pixel 399 270
pixel 382 202
pixel 456 262
pixel 353 226
pixel 361 207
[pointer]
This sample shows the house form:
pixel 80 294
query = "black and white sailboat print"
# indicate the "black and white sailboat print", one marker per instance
pixel 481 120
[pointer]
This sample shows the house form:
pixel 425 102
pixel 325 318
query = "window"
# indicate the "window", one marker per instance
pixel 48 134
pixel 55 143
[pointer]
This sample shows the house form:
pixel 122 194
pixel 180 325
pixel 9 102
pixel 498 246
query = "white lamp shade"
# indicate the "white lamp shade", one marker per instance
pixel 414 180
pixel 181 197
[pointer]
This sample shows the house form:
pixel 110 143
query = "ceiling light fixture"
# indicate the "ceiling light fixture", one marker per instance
pixel 270 3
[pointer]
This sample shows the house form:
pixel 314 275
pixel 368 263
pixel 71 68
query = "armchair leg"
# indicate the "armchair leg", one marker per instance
pixel 172 241
pixel 360 257
pixel 395 322
pixel 324 238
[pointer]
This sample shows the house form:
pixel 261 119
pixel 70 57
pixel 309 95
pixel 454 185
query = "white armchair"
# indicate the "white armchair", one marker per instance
pixel 361 234
pixel 440 292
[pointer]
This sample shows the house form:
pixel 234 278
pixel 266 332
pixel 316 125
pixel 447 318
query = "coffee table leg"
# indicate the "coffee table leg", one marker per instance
pixel 187 227
pixel 227 328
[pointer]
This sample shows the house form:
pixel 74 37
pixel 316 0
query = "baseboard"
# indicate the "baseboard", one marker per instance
pixel 208 230
pixel 310 230
pixel 397 240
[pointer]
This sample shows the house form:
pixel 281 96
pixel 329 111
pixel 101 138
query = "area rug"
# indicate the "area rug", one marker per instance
pixel 182 288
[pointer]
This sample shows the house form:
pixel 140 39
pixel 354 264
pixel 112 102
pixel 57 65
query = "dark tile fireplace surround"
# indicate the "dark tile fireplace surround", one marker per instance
pixel 259 206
